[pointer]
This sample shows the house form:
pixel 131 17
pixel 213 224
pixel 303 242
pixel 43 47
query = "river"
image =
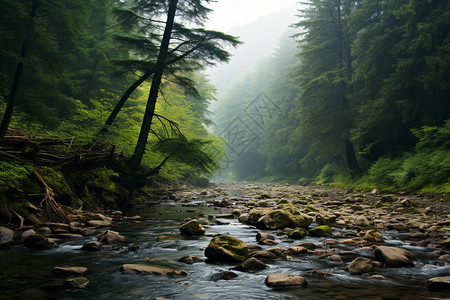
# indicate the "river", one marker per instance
pixel 26 274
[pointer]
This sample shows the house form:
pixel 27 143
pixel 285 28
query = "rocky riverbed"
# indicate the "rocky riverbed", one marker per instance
pixel 239 240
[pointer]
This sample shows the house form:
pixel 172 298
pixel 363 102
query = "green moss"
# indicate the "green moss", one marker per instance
pixel 323 230
pixel 57 182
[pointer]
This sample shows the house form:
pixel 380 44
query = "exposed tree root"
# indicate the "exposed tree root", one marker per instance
pixel 52 210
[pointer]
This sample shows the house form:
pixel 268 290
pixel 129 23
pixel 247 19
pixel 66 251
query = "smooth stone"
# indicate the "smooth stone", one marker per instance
pixel 264 236
pixel 145 270
pixel 224 275
pixel 438 283
pixel 373 236
pixel 278 280
pixel 109 236
pixel 394 257
pixel 6 235
pixel 98 223
pixel 76 283
pixel 92 246
pixel 296 250
pixel 251 265
pixel 26 234
pixel 361 265
pixel 192 227
pixel 263 254
pixel 190 259
pixel 297 233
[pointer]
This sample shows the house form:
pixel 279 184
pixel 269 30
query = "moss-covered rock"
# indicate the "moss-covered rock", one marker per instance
pixel 373 236
pixel 227 248
pixel 281 218
pixel 192 227
pixel 37 241
pixel 322 230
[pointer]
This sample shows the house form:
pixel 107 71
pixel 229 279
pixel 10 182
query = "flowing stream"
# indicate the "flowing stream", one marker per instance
pixel 26 274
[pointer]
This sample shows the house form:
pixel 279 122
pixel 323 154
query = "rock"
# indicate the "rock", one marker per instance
pixel 323 230
pixel 267 242
pixel 438 283
pixel 394 257
pixel 251 265
pixel 76 283
pixel 446 243
pixel 320 274
pixel 373 236
pixel 308 245
pixel 68 271
pixel 224 275
pixel 254 215
pixel 297 233
pixel 98 223
pixel 37 241
pixel 264 236
pixel 278 280
pixel 109 236
pixel 192 227
pixel 361 221
pixel 277 251
pixel 92 246
pixel 26 234
pixel 190 259
pixel 296 250
pixel 281 218
pixel 44 230
pixel 133 248
pixel 145 270
pixel 226 248
pixel 361 265
pixel 6 235
pixel 325 219
pixel 263 254
pixel 388 198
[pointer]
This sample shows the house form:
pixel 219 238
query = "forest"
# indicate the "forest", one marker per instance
pixel 102 100
pixel 134 165
pixel 357 96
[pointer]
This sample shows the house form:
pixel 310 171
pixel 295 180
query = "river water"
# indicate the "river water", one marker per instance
pixel 26 274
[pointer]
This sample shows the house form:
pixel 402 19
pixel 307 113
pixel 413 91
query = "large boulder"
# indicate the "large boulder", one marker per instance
pixel 109 237
pixel 322 230
pixel 281 218
pixel 146 270
pixel 6 235
pixel 37 241
pixel 361 265
pixel 394 257
pixel 251 265
pixel 278 280
pixel 438 283
pixel 226 248
pixel 192 227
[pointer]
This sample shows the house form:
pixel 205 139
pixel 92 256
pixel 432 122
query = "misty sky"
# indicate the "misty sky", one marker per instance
pixel 232 13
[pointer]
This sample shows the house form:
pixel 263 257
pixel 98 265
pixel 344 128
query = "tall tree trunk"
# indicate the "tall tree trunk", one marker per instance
pixel 346 67
pixel 11 99
pixel 136 159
